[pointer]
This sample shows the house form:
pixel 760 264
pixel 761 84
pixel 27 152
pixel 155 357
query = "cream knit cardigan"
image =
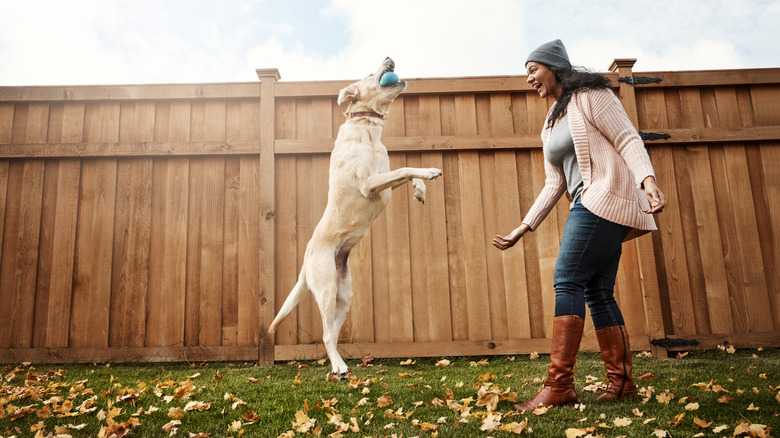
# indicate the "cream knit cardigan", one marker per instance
pixel 613 162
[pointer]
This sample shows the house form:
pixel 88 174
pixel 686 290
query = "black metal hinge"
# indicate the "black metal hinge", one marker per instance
pixel 634 80
pixel 672 343
pixel 653 136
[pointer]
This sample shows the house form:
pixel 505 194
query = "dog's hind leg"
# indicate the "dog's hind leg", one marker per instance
pixel 323 283
pixel 343 301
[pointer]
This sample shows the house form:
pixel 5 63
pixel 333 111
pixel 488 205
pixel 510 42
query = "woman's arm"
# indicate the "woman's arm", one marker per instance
pixel 609 117
pixel 508 241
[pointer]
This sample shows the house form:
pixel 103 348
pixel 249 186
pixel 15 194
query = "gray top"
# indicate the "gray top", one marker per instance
pixel 560 153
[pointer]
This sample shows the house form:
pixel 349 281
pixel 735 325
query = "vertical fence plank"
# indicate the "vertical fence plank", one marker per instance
pixel 380 278
pixel 195 232
pixel 130 275
pixel 479 317
pixel 249 253
pixel 18 268
pixel 92 277
pixel 435 225
pixel 455 259
pixel 757 306
pixel 770 159
pixel 212 252
pixel 309 321
pixel 286 248
pixel 168 253
pixel 399 270
pixel 230 291
pixel 58 241
pixel 494 287
pixel 512 261
pixel 418 262
pixel 530 246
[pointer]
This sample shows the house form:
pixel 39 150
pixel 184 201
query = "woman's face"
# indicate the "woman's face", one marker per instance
pixel 543 79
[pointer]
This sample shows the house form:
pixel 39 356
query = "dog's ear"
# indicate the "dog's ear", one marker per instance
pixel 348 94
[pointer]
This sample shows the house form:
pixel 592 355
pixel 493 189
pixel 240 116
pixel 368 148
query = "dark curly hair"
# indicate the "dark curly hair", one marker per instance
pixel 574 80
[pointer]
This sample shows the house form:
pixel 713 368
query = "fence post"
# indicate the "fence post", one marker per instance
pixel 644 245
pixel 267 269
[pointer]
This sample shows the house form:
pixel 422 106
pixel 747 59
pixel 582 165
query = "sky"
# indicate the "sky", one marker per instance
pixel 80 42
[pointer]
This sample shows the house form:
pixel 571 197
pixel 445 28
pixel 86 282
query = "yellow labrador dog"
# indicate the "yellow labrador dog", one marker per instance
pixel 360 183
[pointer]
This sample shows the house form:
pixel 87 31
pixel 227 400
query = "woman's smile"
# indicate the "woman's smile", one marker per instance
pixel 543 80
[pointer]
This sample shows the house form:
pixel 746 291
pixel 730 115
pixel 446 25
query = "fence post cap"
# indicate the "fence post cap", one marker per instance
pixel 622 63
pixel 263 73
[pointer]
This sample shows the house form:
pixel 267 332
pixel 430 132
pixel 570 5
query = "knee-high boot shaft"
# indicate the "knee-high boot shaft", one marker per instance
pixel 616 353
pixel 559 387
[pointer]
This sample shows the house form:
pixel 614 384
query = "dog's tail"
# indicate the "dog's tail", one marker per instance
pixel 292 300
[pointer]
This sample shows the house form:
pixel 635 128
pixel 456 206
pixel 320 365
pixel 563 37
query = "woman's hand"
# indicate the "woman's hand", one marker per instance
pixel 504 242
pixel 654 195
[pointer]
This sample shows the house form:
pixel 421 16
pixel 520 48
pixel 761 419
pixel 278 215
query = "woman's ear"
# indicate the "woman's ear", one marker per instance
pixel 348 94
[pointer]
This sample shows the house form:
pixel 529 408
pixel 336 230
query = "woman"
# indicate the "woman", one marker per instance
pixel 594 155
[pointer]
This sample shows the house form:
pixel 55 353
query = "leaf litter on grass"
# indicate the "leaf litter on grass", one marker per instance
pixel 418 397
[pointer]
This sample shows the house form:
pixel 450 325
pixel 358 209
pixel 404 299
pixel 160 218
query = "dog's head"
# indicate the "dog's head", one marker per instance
pixel 368 95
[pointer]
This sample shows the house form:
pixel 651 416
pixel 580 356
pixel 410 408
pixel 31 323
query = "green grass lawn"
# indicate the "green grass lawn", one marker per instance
pixel 712 393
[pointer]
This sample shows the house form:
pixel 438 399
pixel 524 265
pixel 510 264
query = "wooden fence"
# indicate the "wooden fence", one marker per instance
pixel 168 222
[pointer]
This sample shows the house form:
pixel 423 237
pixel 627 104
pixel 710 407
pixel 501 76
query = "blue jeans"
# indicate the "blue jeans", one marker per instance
pixel 587 266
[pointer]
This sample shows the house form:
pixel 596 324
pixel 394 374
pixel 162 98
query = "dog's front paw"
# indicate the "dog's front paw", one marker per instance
pixel 431 173
pixel 419 190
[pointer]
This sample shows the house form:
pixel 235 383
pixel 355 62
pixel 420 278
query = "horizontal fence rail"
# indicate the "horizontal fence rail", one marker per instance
pixel 168 222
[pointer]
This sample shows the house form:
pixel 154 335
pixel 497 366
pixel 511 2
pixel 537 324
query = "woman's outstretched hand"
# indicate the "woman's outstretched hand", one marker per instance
pixel 504 242
pixel 654 195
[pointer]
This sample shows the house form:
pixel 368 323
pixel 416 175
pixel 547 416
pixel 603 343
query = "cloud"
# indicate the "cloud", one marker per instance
pixel 425 37
pixel 698 55
pixel 55 42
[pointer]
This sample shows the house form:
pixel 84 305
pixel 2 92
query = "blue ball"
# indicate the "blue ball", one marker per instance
pixel 388 79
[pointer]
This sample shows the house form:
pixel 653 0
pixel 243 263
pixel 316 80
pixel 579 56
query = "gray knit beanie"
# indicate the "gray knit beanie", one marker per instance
pixel 551 54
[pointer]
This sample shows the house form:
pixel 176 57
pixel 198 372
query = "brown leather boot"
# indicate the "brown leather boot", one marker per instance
pixel 559 387
pixel 616 353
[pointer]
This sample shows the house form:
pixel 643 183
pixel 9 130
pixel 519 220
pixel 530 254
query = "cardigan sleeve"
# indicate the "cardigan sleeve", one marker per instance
pixel 554 187
pixel 611 119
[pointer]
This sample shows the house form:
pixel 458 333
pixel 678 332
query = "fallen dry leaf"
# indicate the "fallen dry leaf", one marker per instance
pixel 197 406
pixel 754 430
pixel 575 433
pixel 678 419
pixel 622 422
pixel 443 363
pixel 384 401
pixel 251 417
pixel 515 427
pixel 170 426
pixel 491 422
pixel 302 422
pixel 664 397
pixel 424 425
pixel 701 423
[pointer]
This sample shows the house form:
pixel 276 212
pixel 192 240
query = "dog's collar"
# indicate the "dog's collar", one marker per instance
pixel 365 114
